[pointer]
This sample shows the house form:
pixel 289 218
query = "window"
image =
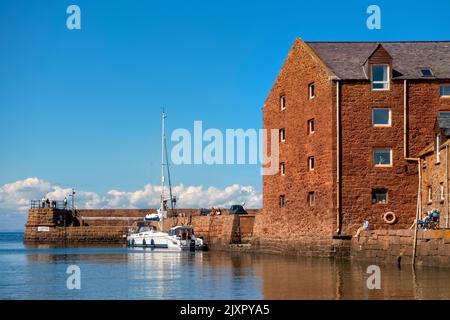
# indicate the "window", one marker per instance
pixel 438 148
pixel 282 168
pixel 441 189
pixel 430 194
pixel 382 157
pixel 311 163
pixel 379 196
pixel 444 90
pixel 311 198
pixel 282 201
pixel 380 77
pixel 426 72
pixel 311 128
pixel 283 103
pixel 282 135
pixel 381 117
pixel 311 90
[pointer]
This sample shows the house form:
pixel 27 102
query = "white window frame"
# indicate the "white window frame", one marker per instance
pixel 381 125
pixel 282 102
pixel 282 134
pixel 430 194
pixel 311 126
pixel 440 88
pixel 283 168
pixel 312 90
pixel 388 81
pixel 390 158
pixel 438 148
pixel 442 189
pixel 311 163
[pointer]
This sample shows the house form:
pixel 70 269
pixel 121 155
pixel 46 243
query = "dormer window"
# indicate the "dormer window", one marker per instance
pixel 380 76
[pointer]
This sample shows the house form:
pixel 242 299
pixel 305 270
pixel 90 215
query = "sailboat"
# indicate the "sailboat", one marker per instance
pixel 146 234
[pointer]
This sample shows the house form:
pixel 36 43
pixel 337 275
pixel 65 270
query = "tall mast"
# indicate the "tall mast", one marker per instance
pixel 168 180
pixel 163 141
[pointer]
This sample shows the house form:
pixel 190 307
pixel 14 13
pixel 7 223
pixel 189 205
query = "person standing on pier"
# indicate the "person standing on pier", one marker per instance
pixel 65 203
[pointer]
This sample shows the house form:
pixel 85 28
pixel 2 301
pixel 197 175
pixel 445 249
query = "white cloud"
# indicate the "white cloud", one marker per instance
pixel 17 195
pixel 15 198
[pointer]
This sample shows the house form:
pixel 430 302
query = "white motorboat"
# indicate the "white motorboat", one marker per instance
pixel 183 238
pixel 148 236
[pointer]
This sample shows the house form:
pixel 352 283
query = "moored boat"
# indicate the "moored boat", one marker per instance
pixel 147 235
pixel 184 238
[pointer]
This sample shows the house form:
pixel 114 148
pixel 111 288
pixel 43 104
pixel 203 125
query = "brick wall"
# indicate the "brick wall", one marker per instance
pixel 433 175
pixel 298 220
pixel 359 137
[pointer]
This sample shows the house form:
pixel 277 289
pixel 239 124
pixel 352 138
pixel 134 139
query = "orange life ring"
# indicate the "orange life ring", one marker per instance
pixel 390 217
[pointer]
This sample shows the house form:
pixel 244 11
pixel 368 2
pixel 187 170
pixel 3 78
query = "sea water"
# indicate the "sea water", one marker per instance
pixel 117 272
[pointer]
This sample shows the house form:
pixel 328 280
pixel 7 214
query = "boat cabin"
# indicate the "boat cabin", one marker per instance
pixel 143 226
pixel 183 232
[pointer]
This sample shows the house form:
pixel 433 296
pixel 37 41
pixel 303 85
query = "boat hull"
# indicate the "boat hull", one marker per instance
pixel 187 245
pixel 148 240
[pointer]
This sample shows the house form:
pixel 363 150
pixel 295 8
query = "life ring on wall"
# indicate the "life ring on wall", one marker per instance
pixel 390 217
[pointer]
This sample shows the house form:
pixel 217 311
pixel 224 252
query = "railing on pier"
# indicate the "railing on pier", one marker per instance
pixel 37 204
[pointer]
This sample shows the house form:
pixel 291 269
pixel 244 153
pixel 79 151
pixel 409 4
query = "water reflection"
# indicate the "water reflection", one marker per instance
pixel 331 279
pixel 123 273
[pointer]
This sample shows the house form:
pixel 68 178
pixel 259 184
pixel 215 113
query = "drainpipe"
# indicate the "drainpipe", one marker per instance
pixel 418 211
pixel 446 187
pixel 405 123
pixel 405 127
pixel 338 162
pixel 405 156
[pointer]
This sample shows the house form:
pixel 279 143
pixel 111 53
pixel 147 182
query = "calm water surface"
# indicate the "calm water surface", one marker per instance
pixel 120 273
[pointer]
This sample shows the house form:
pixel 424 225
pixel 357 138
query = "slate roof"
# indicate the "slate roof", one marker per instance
pixel 347 59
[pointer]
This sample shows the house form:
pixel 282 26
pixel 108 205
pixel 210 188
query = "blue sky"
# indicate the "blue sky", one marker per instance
pixel 82 108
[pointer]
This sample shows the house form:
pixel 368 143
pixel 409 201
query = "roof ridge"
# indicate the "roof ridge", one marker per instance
pixel 401 41
pixel 345 58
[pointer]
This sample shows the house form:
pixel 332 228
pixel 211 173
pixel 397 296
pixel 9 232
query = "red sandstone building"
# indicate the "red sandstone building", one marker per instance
pixel 435 172
pixel 353 118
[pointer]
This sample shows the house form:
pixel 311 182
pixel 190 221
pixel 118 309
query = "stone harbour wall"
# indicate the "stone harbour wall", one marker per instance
pixel 75 235
pixel 396 246
pixel 47 225
pixel 280 234
pixel 252 232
